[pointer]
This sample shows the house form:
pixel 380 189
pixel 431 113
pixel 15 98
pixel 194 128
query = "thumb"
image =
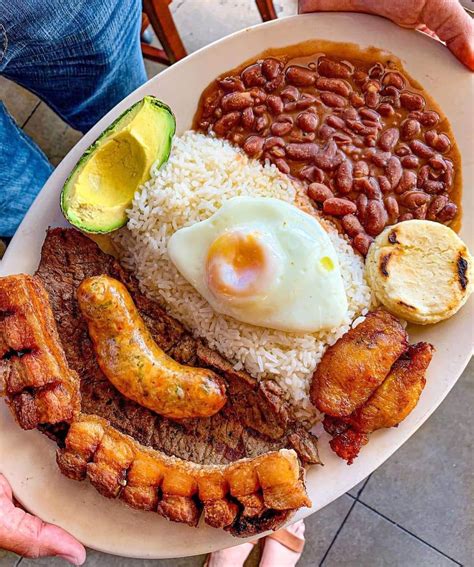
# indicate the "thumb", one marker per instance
pixel 29 536
pixel 454 26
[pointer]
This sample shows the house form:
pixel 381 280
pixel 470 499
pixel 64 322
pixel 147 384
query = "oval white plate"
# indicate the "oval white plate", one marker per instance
pixel 27 458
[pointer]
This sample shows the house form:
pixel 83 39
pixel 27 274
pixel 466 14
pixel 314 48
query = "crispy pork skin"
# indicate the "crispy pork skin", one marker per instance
pixel 179 490
pixel 35 377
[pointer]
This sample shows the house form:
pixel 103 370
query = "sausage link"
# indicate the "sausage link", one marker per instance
pixel 135 364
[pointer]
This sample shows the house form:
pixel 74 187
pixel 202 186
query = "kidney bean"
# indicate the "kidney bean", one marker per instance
pixel 376 218
pixel 319 192
pixel 301 152
pixel 275 104
pixel 271 68
pixel 439 142
pixel 394 79
pixel 341 139
pixel 226 123
pixel 410 161
pixel 261 123
pixel 372 99
pixel 252 76
pixel 373 189
pixel 380 159
pixel 412 101
pixel 414 199
pixel 362 202
pixel 437 204
pixel 391 206
pixel 333 69
pixel 305 101
pixel 282 165
pixel 369 114
pixel 360 77
pixel 335 121
pixel 348 113
pixel 405 217
pixel 385 109
pixel 344 177
pixel 333 100
pixel 394 171
pixel 421 149
pixel 420 212
pixel 248 118
pixel 339 207
pixel 230 84
pixel 429 118
pixel 259 109
pixel 307 121
pixel 389 139
pixel 362 243
pixel 384 184
pixel 290 94
pixel 361 169
pixel 374 126
pixel 300 76
pixel 409 129
pixel 356 100
pixel 211 103
pixel 437 162
pixel 253 146
pixel 423 175
pixel 329 158
pixel 337 86
pixel 402 150
pixel 273 141
pixel 448 175
pixel 325 132
pixel 371 86
pixel 351 225
pixel 360 128
pixel 311 173
pixel 278 152
pixel 407 182
pixel 377 70
pixel 258 95
pixel 281 128
pixel 433 187
pixel 448 212
pixel 276 83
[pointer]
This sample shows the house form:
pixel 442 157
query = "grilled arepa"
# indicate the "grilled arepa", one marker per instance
pixel 420 270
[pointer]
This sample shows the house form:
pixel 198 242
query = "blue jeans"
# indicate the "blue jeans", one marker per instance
pixel 81 57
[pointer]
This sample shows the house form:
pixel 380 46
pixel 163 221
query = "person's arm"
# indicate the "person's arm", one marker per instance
pixel 29 536
pixel 446 18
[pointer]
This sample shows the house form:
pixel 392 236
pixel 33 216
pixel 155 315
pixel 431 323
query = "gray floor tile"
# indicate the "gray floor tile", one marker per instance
pixel 321 529
pixel 368 540
pixel 51 134
pixel 427 486
pixel 201 23
pixel 19 102
pixel 8 559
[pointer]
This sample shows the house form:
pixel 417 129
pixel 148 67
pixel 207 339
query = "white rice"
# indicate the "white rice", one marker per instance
pixel 201 173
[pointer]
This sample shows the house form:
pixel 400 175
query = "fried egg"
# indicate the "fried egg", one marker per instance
pixel 264 262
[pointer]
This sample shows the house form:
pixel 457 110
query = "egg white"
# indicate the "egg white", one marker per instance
pixel 307 293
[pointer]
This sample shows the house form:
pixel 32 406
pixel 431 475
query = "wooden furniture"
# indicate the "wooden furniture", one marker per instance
pixel 157 13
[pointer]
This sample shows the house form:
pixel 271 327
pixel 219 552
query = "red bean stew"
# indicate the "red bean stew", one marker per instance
pixel 369 145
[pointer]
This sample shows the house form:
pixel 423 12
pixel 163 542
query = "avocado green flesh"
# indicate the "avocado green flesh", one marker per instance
pixel 101 187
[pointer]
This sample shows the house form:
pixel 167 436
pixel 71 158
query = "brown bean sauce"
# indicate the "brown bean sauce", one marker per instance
pixel 369 145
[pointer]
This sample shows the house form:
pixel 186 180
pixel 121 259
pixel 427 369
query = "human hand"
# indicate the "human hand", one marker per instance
pixel 26 535
pixel 446 18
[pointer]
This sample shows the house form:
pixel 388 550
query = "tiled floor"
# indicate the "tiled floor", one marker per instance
pixel 414 511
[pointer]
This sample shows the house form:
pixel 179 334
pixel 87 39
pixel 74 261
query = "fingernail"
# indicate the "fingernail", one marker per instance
pixel 72 559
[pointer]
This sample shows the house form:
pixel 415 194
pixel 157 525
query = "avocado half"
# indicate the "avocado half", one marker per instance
pixel 102 184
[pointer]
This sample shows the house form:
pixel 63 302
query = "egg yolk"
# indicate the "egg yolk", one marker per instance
pixel 238 265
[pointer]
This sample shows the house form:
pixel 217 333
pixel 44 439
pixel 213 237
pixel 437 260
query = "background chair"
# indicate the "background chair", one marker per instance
pixel 157 13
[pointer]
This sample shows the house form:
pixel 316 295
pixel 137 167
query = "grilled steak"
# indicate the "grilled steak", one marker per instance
pixel 255 420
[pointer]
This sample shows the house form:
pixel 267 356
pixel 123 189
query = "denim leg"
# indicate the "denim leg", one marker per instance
pixel 80 56
pixel 23 171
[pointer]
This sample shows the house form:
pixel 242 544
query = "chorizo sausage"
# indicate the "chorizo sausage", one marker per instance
pixel 135 364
